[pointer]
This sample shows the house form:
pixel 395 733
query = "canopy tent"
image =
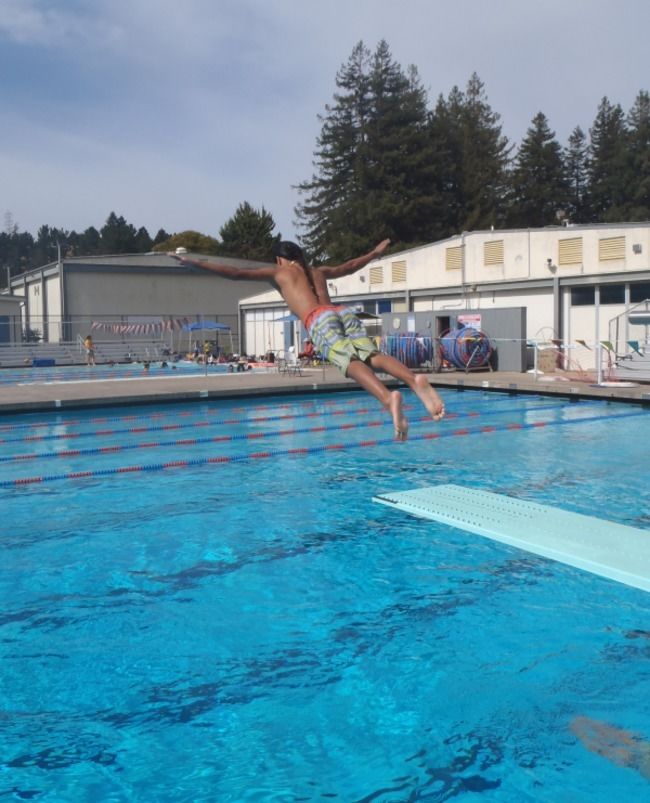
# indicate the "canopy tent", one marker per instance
pixel 192 327
pixel 205 326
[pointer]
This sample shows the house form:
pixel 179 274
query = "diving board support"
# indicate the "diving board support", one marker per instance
pixel 606 548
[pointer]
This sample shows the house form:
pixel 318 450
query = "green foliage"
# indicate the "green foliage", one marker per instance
pixel 539 186
pixel 248 234
pixel 118 236
pixel 373 161
pixel 194 241
pixel 609 168
pixel 471 160
pixel 638 125
pixel 576 173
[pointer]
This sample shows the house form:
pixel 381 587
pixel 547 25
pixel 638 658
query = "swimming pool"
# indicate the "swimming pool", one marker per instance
pixel 215 610
pixel 107 372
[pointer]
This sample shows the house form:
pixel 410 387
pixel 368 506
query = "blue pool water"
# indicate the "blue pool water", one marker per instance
pixel 106 372
pixel 255 629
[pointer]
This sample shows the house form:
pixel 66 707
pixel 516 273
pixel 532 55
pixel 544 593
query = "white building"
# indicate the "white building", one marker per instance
pixel 574 282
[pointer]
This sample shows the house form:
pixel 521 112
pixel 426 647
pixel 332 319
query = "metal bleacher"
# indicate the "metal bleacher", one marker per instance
pixel 72 353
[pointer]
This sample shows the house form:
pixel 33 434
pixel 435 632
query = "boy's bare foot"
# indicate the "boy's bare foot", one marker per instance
pixel 429 397
pixel 399 422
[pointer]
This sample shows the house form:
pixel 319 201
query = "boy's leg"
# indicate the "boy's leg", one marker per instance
pixel 418 383
pixel 390 399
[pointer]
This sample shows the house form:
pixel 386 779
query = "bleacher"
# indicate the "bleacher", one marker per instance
pixel 72 353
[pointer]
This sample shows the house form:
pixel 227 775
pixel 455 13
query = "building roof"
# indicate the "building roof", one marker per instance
pixel 123 262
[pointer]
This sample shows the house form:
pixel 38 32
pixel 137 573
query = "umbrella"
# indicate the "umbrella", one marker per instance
pixel 287 318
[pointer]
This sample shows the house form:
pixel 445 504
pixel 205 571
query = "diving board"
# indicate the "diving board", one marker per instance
pixel 611 550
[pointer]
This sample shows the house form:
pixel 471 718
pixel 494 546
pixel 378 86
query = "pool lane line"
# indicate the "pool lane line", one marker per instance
pixel 488 399
pixel 162 415
pixel 248 420
pixel 306 450
pixel 174 427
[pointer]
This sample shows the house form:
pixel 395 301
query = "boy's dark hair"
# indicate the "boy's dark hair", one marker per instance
pixel 289 250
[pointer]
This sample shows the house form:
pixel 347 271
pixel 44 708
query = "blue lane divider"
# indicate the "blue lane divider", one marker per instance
pixel 75 475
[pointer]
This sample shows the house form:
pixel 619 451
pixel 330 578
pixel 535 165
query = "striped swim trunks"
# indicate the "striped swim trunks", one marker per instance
pixel 338 335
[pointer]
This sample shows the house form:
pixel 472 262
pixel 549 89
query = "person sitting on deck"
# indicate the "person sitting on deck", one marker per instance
pixel 335 332
pixel 308 352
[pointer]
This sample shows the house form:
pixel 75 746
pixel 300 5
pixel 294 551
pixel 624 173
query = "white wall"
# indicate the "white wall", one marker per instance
pixel 526 255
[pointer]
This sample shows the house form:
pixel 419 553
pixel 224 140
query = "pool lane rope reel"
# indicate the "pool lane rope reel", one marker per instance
pixel 466 348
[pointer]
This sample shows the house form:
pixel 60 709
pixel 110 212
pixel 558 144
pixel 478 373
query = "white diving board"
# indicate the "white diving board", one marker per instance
pixel 611 550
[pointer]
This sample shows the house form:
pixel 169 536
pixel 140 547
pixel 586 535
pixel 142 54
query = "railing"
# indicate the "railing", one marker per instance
pixel 621 345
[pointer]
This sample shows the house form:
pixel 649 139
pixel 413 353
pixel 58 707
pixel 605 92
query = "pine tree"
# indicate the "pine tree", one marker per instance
pixel 539 188
pixel 248 234
pixel 576 172
pixel 374 166
pixel 485 160
pixel 161 237
pixel 609 169
pixel 445 130
pixel 333 212
pixel 638 127
pixel 89 243
pixel 399 204
pixel 118 236
pixel 142 241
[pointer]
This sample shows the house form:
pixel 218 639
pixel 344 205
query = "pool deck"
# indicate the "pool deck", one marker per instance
pixel 177 387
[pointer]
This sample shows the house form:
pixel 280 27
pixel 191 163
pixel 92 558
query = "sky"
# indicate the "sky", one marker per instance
pixel 173 112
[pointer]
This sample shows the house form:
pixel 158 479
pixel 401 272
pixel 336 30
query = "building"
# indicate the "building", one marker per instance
pixel 62 300
pixel 10 323
pixel 572 282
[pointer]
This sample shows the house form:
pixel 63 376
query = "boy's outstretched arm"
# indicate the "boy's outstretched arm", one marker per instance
pixel 352 265
pixel 228 271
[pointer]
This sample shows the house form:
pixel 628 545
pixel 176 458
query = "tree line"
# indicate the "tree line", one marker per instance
pixel 388 164
pixel 248 234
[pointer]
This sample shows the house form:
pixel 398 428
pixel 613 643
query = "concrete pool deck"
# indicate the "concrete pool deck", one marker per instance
pixel 176 387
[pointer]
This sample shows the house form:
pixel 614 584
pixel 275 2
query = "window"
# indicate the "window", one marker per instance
pixel 454 257
pixel 493 253
pixel 383 306
pixel 611 248
pixel 612 294
pixel 377 274
pixel 398 271
pixel 570 251
pixel 583 296
pixel 639 292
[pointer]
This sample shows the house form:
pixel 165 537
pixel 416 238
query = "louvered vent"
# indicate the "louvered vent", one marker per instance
pixel 493 253
pixel 398 271
pixel 570 251
pixel 377 274
pixel 454 258
pixel 611 248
